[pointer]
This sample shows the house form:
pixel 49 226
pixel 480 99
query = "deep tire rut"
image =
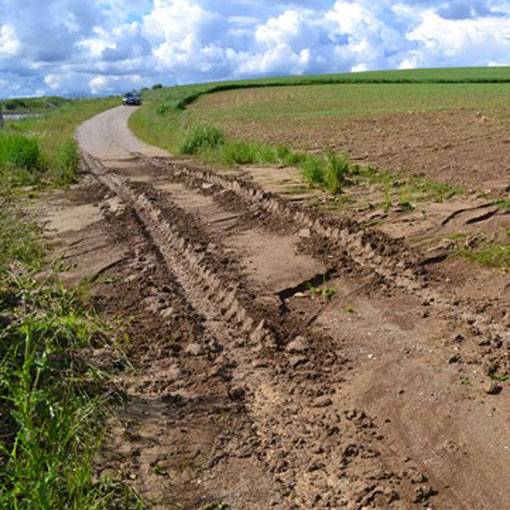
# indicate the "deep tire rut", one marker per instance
pixel 321 454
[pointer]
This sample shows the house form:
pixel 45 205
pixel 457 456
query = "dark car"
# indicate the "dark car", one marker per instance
pixel 132 99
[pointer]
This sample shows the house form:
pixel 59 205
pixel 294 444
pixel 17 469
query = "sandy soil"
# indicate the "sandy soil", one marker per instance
pixel 248 386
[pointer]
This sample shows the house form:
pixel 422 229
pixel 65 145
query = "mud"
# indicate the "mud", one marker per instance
pixel 246 384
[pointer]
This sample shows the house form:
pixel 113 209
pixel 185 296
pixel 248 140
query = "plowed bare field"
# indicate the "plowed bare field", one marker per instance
pixel 459 134
pixel 283 355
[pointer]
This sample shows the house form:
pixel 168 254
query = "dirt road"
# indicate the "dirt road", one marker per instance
pixel 283 358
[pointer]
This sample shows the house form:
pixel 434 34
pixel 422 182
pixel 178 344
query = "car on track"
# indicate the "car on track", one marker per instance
pixel 132 99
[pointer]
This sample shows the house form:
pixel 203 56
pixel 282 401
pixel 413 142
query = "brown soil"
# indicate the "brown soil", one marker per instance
pixel 246 386
pixel 464 148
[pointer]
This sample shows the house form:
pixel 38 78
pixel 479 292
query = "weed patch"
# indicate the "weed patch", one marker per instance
pixel 495 255
pixel 19 237
pixel 20 159
pixel 201 137
pixel 54 401
pixel 42 150
pixel 326 293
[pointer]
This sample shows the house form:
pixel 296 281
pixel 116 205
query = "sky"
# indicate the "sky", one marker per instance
pixel 100 47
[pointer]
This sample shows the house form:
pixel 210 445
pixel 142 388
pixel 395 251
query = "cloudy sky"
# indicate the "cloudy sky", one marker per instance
pixel 109 46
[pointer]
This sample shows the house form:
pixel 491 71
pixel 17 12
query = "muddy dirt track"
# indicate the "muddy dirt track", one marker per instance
pixel 250 383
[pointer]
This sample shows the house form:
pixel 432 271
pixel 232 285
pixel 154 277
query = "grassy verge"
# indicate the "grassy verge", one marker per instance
pixel 43 150
pixel 53 400
pixel 496 256
pixel 328 170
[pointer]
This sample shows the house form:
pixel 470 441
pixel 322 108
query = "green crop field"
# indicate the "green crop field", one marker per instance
pixel 347 100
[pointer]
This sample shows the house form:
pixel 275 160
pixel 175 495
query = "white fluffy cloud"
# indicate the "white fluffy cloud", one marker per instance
pixel 107 46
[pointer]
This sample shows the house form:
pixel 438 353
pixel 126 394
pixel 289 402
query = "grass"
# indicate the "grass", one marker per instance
pixel 43 150
pixel 19 237
pixel 495 255
pixel 327 170
pixel 326 293
pixel 54 401
pixel 503 204
pixel 20 159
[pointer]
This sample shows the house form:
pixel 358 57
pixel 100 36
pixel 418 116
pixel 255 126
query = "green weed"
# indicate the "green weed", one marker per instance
pixel 44 148
pixel 66 162
pixel 201 137
pixel 500 377
pixel 503 204
pixel 326 293
pixel 19 237
pixel 494 255
pixel 20 159
pixel 54 401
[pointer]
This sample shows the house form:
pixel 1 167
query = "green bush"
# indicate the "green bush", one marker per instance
pixel 201 137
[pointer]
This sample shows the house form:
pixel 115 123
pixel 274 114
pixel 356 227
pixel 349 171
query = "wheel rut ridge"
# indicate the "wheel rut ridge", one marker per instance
pixel 373 250
pixel 171 243
pixel 301 417
pixel 385 256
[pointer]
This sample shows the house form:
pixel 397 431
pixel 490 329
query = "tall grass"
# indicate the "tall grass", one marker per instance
pixel 54 402
pixel 19 237
pixel 20 159
pixel 327 170
pixel 43 150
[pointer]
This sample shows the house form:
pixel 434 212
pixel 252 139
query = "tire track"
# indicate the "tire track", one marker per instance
pixel 321 454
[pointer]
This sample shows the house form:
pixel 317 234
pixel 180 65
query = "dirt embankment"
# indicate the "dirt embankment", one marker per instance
pixel 281 358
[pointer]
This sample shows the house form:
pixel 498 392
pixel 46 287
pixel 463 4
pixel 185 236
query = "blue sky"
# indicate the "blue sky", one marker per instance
pixel 109 46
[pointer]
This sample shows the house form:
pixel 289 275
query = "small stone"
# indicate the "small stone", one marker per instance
pixel 167 312
pixel 298 345
pixel 419 478
pixel 193 349
pixel 305 233
pixel 323 401
pixel 237 393
pixel 492 388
